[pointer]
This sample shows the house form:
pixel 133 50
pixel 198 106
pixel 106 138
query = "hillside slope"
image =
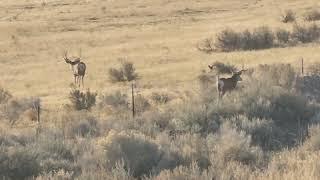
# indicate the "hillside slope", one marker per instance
pixel 160 37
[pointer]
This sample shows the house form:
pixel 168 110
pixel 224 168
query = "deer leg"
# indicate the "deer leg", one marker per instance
pixel 75 79
pixel 222 93
pixel 82 77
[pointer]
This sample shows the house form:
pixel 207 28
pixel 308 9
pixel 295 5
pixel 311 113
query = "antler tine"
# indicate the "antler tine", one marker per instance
pixel 243 70
pixel 80 53
pixel 65 53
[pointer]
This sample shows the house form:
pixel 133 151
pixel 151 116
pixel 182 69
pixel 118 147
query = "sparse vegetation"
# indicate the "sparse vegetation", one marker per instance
pixel 15 108
pixel 261 117
pixel 288 16
pixel 266 128
pixel 160 98
pixel 125 73
pixel 141 104
pixel 117 100
pixel 82 100
pixel 262 38
pixel 4 96
pixel 306 34
pixel 313 15
pixel 283 36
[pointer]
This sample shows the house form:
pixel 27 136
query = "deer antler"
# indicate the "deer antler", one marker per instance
pixel 65 54
pixel 80 53
pixel 241 71
pixel 66 57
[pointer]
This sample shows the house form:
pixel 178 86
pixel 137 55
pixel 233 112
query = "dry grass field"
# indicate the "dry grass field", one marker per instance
pixel 268 128
pixel 160 37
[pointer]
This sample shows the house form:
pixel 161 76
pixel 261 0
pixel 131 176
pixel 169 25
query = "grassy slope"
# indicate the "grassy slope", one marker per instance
pixel 159 36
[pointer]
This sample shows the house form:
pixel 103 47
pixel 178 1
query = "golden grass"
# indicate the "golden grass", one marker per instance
pixel 160 37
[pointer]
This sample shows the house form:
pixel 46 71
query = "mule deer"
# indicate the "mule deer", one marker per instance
pixel 228 84
pixel 78 69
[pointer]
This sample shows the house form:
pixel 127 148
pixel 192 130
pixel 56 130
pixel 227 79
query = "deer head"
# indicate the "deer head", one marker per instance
pixel 237 75
pixel 74 62
pixel 210 67
pixel 228 84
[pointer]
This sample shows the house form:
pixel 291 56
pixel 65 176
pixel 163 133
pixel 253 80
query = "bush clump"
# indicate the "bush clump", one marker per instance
pixel 116 100
pixel 18 163
pixel 261 38
pixel 160 98
pixel 83 126
pixel 141 104
pixel 138 154
pixel 231 145
pixel 125 73
pixel 306 34
pixel 283 36
pixel 4 96
pixel 275 75
pixel 313 15
pixel 82 100
pixel 229 40
pixel 15 109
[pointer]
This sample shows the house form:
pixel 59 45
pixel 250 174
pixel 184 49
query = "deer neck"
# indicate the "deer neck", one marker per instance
pixel 74 69
pixel 235 80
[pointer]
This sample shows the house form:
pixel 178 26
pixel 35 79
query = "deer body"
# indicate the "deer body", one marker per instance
pixel 78 69
pixel 227 84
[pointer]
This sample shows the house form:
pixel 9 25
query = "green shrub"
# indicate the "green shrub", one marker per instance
pixel 18 163
pixel 125 73
pixel 309 86
pixel 138 153
pixel 84 127
pixel 82 100
pixel 264 133
pixel 263 38
pixel 229 40
pixel 283 36
pixel 306 34
pixel 195 118
pixel 116 75
pixel 55 153
pixel 232 145
pixel 129 71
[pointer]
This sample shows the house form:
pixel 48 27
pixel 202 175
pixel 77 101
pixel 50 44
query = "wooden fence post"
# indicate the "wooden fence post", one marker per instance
pixel 38 110
pixel 132 96
pixel 302 68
